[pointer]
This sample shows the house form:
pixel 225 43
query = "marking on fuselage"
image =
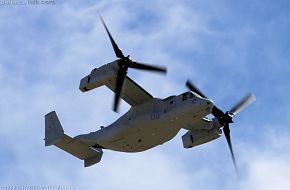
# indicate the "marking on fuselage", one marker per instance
pixel 116 140
pixel 155 116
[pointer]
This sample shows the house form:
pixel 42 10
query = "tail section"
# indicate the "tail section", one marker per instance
pixel 54 135
pixel 53 129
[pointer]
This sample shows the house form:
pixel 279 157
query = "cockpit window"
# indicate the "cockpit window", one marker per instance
pixel 169 98
pixel 186 95
pixel 94 70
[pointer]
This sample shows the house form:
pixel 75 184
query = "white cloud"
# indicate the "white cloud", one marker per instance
pixel 267 164
pixel 268 173
pixel 142 171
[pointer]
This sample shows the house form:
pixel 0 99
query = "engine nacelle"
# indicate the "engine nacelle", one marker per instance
pixel 198 137
pixel 99 77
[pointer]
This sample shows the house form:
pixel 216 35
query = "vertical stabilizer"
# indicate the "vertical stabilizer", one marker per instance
pixel 53 129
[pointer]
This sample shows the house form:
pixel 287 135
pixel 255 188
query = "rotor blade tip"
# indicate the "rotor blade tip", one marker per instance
pixel 253 97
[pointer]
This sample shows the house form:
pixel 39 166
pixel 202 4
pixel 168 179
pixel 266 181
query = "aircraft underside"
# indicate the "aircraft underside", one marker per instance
pixel 140 140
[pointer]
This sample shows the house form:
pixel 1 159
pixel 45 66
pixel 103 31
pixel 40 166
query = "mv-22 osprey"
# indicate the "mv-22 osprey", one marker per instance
pixel 149 122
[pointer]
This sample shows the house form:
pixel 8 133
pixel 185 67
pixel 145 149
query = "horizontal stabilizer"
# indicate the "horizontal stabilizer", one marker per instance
pixel 80 150
pixel 54 135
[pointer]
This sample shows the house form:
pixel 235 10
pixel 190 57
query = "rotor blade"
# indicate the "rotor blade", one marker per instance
pixel 141 66
pixel 242 104
pixel 217 112
pixel 119 85
pixel 226 131
pixel 194 89
pixel 117 50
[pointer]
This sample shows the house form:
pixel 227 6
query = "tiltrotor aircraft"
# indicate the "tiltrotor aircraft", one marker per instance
pixel 149 122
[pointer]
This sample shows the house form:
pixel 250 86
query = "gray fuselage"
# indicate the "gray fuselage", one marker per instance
pixel 150 124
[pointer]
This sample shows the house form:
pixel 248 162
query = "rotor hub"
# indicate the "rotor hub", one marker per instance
pixel 124 62
pixel 226 119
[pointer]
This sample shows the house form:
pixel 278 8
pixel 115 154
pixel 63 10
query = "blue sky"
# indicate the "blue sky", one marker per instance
pixel 227 48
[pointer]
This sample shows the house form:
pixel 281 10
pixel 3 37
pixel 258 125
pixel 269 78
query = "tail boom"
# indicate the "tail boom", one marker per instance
pixel 54 135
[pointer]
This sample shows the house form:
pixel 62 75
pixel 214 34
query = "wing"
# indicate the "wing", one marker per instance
pixel 132 93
